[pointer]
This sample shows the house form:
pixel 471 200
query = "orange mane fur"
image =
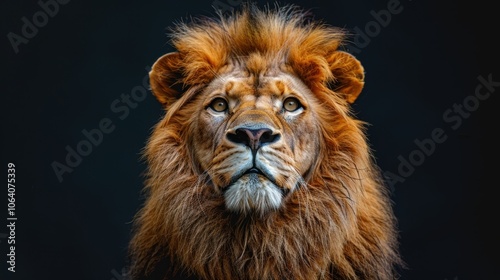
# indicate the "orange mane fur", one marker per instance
pixel 340 226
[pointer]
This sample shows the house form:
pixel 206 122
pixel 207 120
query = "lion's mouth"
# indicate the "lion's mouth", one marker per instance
pixel 257 175
pixel 254 170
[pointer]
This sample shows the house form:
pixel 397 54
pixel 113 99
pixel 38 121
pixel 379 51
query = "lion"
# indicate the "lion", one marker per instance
pixel 259 169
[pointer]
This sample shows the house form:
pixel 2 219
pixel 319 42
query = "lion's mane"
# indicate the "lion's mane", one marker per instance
pixel 340 226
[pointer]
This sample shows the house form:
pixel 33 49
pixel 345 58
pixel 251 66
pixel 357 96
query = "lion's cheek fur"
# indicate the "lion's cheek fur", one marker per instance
pixel 202 138
pixel 304 135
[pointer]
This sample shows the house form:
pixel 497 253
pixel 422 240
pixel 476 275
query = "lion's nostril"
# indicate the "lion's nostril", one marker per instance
pixel 253 138
pixel 239 136
pixel 269 137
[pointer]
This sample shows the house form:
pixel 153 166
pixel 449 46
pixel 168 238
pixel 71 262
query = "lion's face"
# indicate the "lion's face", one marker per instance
pixel 256 137
pixel 258 169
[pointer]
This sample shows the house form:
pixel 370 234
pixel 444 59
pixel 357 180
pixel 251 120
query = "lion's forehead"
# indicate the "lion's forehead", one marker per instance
pixel 253 87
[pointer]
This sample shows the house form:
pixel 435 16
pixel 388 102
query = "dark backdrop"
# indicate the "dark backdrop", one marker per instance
pixel 73 69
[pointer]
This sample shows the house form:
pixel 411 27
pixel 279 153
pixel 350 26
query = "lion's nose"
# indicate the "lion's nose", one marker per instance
pixel 253 138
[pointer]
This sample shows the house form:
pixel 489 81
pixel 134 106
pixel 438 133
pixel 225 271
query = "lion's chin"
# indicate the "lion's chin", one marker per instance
pixel 253 193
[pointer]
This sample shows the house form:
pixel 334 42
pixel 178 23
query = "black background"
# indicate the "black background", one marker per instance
pixel 66 78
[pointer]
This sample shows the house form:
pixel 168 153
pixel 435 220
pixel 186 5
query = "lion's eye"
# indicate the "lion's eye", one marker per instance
pixel 219 105
pixel 291 104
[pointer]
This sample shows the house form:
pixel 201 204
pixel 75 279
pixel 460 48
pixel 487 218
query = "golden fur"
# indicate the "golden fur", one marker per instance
pixel 271 90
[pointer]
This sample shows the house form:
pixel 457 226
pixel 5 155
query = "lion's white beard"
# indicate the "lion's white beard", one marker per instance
pixel 253 193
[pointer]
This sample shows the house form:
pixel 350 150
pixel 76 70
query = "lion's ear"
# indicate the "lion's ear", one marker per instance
pixel 348 75
pixel 165 78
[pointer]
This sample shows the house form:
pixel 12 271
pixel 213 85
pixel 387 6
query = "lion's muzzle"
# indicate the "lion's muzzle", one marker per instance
pixel 253 185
